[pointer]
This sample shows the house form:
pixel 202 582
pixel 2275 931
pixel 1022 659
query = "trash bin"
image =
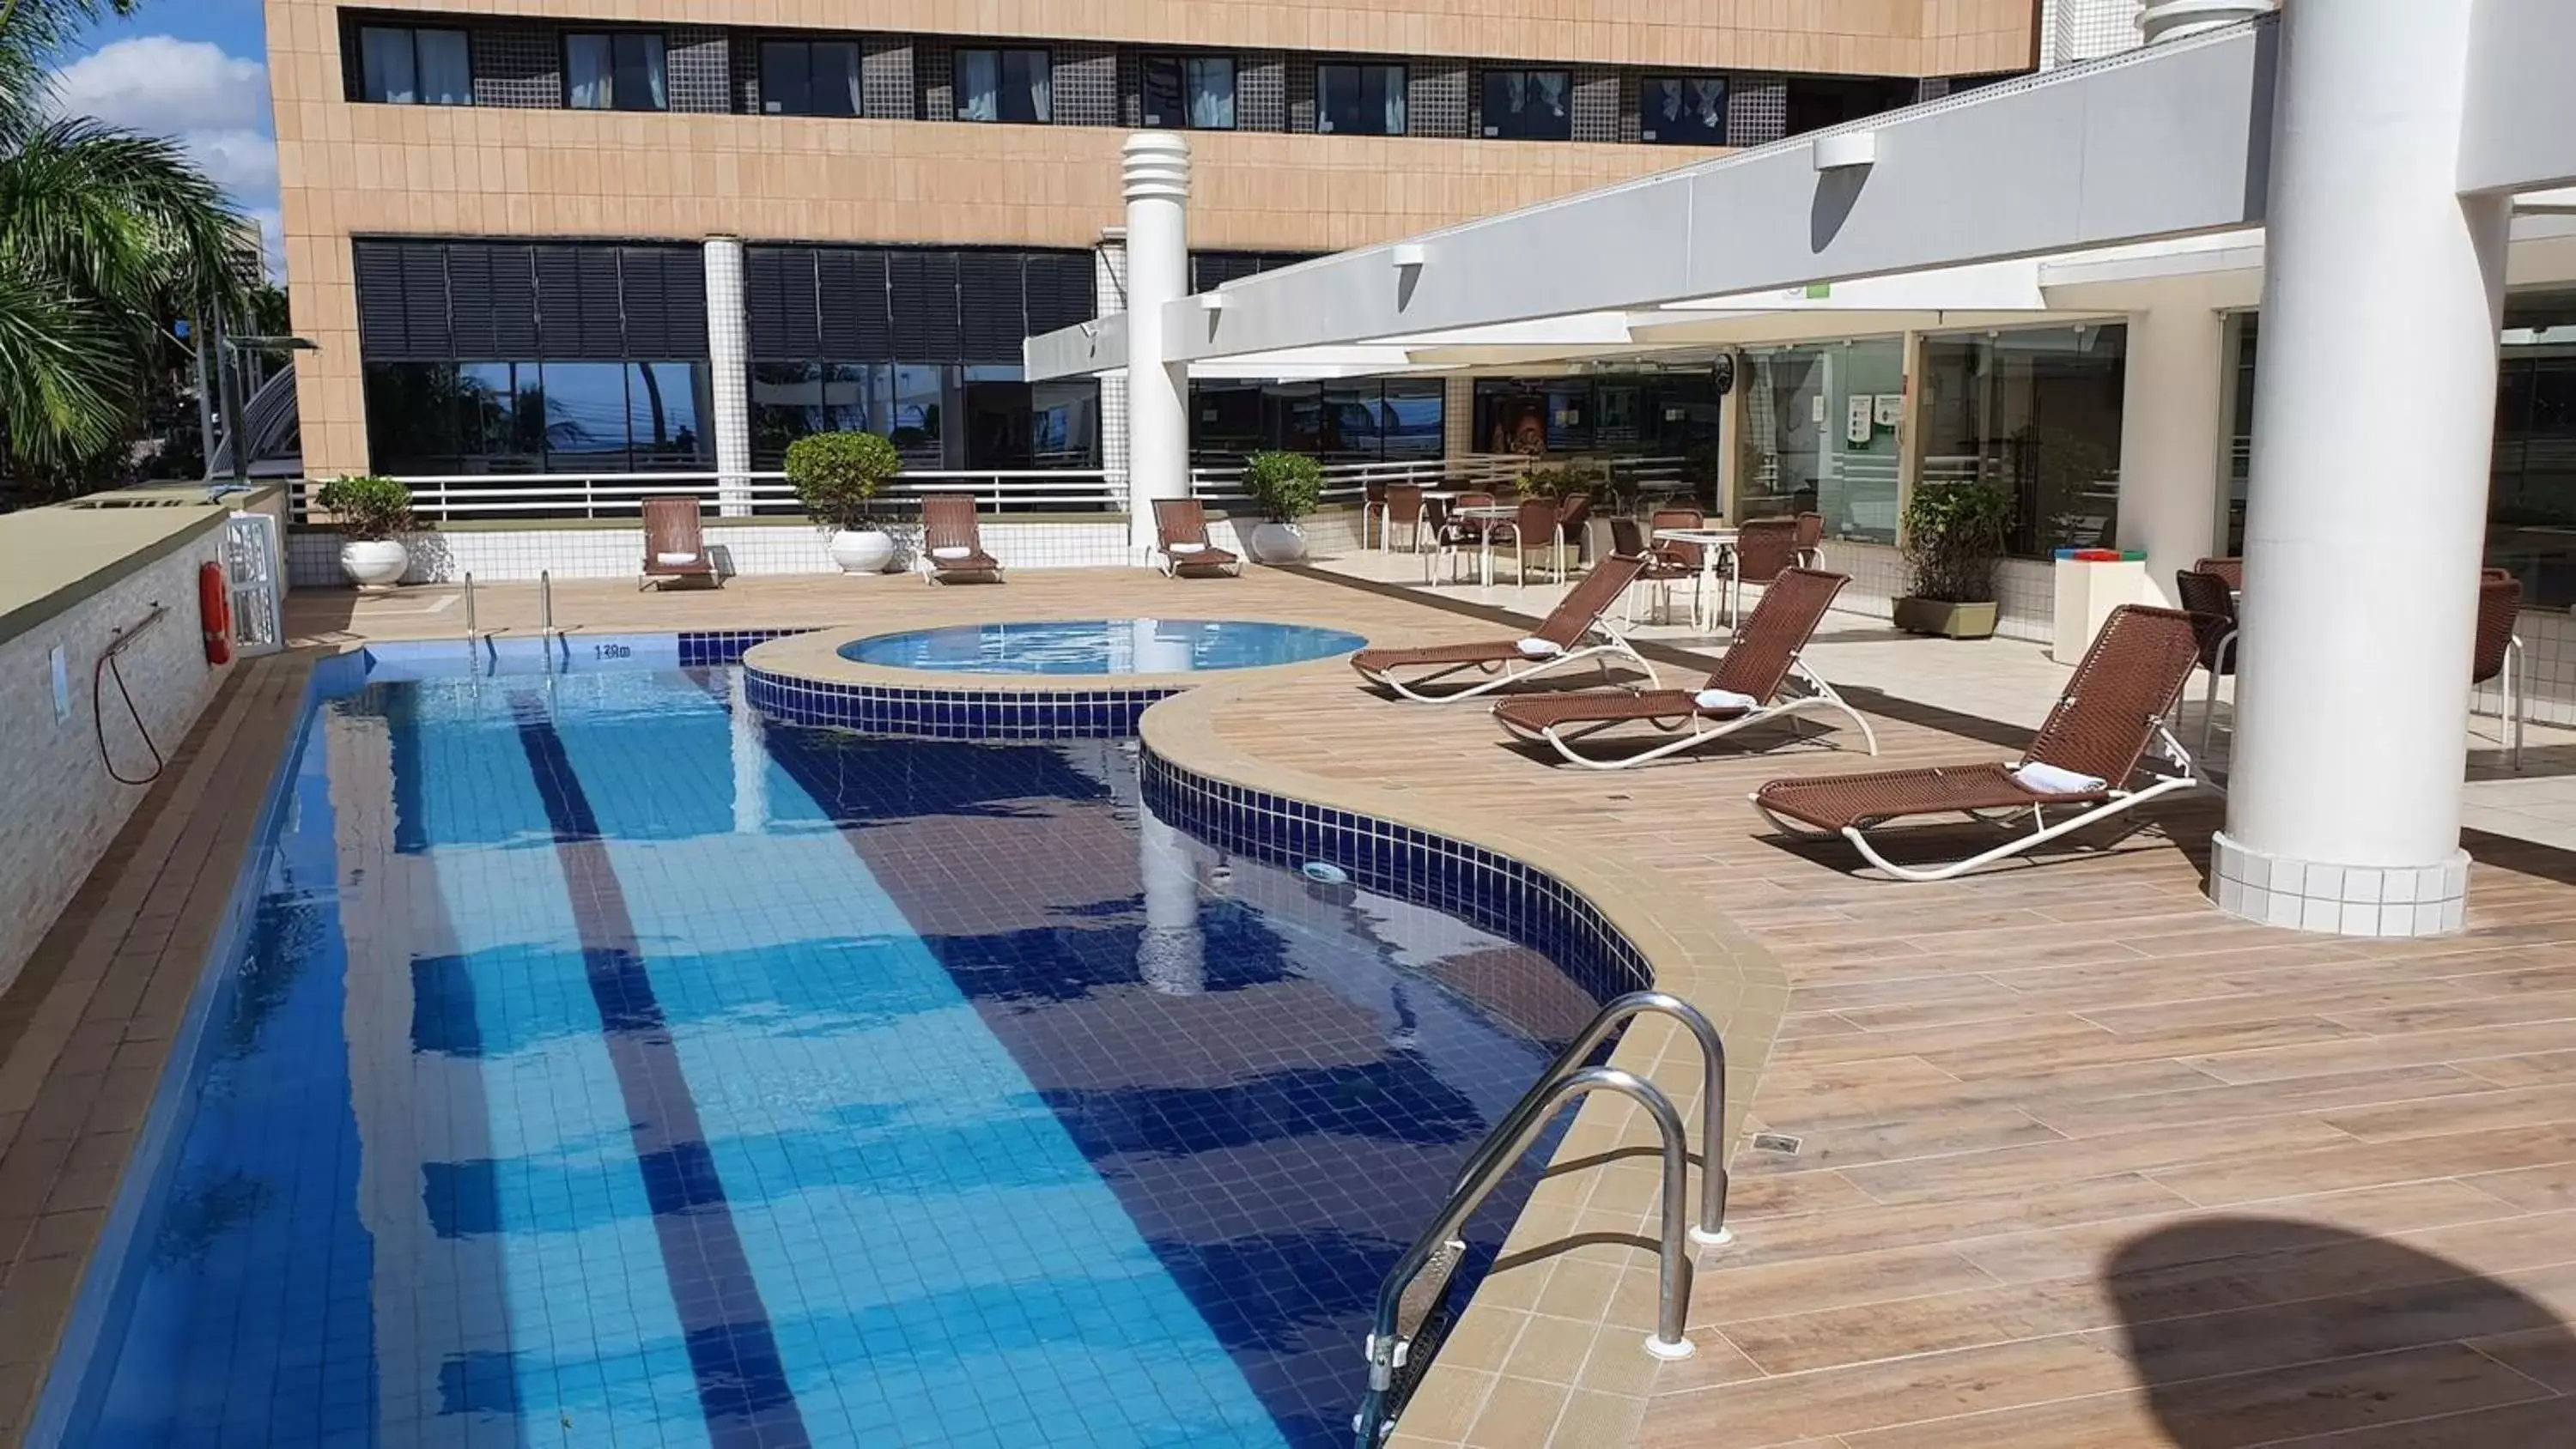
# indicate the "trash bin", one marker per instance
pixel 2091 582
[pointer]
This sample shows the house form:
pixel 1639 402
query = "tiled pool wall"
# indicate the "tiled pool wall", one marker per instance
pixel 73 1391
pixel 1485 888
pixel 951 714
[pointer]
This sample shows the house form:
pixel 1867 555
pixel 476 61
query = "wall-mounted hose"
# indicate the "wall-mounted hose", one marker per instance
pixel 98 676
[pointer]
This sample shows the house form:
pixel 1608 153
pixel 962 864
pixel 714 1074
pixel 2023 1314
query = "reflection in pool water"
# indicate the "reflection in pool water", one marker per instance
pixel 1103 646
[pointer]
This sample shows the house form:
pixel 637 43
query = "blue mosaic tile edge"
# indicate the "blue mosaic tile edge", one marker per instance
pixel 951 714
pixel 1487 888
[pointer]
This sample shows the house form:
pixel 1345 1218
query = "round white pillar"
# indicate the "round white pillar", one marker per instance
pixel 2366 510
pixel 2171 416
pixel 1158 271
pixel 729 359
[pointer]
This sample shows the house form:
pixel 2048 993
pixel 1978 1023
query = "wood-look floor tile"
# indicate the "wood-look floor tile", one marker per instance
pixel 2363 1164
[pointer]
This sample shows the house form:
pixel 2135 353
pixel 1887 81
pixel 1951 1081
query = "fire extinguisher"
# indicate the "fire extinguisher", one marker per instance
pixel 214 613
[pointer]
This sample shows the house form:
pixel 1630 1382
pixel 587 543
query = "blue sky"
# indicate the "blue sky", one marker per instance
pixel 193 70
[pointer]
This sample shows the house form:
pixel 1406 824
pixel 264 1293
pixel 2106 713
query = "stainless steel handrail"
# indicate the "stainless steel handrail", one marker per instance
pixel 469 609
pixel 1386 1350
pixel 545 604
pixel 1711 1227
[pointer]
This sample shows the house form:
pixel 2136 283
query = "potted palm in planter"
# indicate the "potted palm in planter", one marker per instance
pixel 1954 538
pixel 1287 486
pixel 370 511
pixel 836 476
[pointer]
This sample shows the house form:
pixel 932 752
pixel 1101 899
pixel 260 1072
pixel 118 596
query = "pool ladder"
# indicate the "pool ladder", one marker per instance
pixel 1405 1305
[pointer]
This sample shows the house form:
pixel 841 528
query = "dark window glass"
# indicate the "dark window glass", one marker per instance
pixel 1193 92
pixel 1359 100
pixel 1815 102
pixel 585 412
pixel 2039 412
pixel 670 415
pixel 1351 424
pixel 614 71
pixel 1528 105
pixel 1225 423
pixel 786 404
pixel 911 412
pixel 1682 110
pixel 411 418
pixel 1415 412
pixel 406 65
pixel 809 78
pixel 1005 85
pixel 495 434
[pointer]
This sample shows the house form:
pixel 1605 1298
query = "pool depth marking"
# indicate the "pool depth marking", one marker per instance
pixel 742 1383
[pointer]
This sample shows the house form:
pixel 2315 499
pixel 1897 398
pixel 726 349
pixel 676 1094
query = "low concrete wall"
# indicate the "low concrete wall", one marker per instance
pixel 59 807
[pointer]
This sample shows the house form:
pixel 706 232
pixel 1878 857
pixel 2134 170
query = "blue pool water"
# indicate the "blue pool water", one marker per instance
pixel 1103 646
pixel 610 1066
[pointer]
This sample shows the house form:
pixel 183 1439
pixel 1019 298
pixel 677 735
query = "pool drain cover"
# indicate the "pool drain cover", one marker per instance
pixel 1780 1142
pixel 1325 872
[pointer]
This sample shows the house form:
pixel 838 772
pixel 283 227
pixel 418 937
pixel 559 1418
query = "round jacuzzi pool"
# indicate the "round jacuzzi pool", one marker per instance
pixel 1102 646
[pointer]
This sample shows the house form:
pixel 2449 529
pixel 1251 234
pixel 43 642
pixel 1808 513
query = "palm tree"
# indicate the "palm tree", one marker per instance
pixel 104 236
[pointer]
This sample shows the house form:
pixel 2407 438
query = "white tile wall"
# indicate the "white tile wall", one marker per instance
pixel 61 806
pixel 2025 588
pixel 2338 899
pixel 313 557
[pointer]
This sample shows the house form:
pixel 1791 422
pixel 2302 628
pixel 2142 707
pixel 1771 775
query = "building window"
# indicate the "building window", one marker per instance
pixel 1528 105
pixel 1361 420
pixel 1016 86
pixel 1195 92
pixel 2037 411
pixel 1820 435
pixel 809 78
pixel 1682 110
pixel 403 65
pixel 614 71
pixel 450 418
pixel 1359 100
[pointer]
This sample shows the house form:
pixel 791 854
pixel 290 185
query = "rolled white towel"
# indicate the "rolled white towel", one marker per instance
pixel 1537 648
pixel 1189 548
pixel 1715 699
pixel 952 552
pixel 2043 778
pixel 675 559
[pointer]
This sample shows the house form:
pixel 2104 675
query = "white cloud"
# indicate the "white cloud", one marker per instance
pixel 213 104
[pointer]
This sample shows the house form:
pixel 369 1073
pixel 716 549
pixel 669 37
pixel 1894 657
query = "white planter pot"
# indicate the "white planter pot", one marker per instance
pixel 861 551
pixel 1276 543
pixel 374 563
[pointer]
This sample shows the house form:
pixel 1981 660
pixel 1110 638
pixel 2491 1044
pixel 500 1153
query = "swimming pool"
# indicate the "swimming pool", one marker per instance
pixel 1103 646
pixel 609 1065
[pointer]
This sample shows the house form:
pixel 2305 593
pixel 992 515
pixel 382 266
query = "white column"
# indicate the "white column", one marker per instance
pixel 729 357
pixel 1158 271
pixel 2170 421
pixel 2366 513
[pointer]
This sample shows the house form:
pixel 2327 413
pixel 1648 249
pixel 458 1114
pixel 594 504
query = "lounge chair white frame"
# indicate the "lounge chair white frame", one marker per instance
pixel 1613 645
pixel 2186 775
pixel 1702 728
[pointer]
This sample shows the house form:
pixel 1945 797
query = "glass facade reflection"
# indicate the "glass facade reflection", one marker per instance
pixel 1355 420
pixel 2039 412
pixel 455 418
pixel 1821 435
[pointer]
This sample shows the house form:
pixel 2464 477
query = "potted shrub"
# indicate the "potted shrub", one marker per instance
pixel 1287 486
pixel 836 476
pixel 370 511
pixel 1954 538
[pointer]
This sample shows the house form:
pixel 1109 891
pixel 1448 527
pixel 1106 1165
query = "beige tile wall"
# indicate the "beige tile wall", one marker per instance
pixel 1850 37
pixel 351 170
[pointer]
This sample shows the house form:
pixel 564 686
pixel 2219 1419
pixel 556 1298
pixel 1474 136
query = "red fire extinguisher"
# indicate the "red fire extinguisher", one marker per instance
pixel 214 613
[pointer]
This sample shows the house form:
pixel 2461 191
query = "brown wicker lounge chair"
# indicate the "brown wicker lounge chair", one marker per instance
pixel 675 546
pixel 2113 708
pixel 1181 541
pixel 2211 601
pixel 2499 653
pixel 951 544
pixel 1764 655
pixel 1575 631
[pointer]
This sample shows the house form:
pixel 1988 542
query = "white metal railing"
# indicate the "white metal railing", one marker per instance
pixel 540 496
pixel 1349 482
